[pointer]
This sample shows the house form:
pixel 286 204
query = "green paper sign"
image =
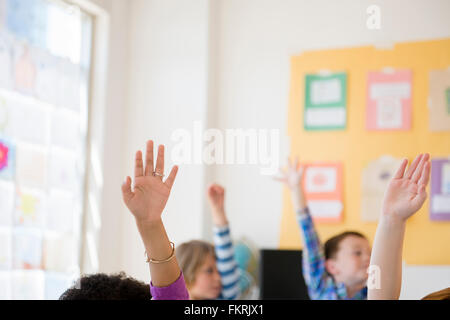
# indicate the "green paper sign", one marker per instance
pixel 325 102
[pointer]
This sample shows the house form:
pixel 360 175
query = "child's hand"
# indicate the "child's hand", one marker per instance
pixel 150 194
pixel 406 193
pixel 292 178
pixel 216 197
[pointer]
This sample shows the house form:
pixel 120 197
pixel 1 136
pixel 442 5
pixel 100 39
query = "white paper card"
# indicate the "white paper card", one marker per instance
pixel 325 91
pixel 440 203
pixel 389 113
pixel 321 179
pixel 325 208
pixel 318 117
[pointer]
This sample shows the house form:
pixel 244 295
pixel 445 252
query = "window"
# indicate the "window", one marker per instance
pixel 45 54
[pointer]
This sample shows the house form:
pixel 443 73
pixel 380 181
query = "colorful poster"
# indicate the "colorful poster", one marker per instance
pixel 31 166
pixel 323 190
pixel 375 179
pixel 325 101
pixel 440 190
pixel 439 100
pixel 30 208
pixel 27 248
pixel 7 160
pixel 7 196
pixel 389 100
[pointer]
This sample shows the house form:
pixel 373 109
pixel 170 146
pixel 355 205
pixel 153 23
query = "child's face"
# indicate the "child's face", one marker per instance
pixel 207 283
pixel 351 261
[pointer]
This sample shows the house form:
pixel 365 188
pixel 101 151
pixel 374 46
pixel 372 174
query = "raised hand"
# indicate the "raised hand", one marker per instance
pixel 292 178
pixel 149 197
pixel 406 193
pixel 216 197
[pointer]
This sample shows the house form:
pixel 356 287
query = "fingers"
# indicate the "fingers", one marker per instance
pixel 149 159
pixel 160 161
pixel 413 167
pixel 418 172
pixel 425 176
pixel 401 169
pixel 138 166
pixel 127 194
pixel 171 178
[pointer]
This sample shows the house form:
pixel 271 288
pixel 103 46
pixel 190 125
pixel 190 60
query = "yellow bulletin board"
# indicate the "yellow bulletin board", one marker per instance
pixel 426 242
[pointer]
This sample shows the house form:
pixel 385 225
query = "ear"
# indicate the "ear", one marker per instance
pixel 331 267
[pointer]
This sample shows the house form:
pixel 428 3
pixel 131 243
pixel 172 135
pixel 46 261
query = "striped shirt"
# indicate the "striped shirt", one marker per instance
pixel 226 263
pixel 321 285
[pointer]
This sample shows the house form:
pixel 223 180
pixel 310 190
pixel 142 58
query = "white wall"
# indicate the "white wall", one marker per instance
pixel 225 63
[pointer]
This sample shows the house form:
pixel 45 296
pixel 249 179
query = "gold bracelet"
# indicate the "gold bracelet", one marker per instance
pixel 149 260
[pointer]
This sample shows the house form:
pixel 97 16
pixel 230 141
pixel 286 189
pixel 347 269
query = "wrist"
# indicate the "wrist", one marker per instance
pixel 148 224
pixel 392 220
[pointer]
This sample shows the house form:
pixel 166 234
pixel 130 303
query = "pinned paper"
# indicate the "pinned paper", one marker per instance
pixel 389 100
pixel 375 179
pixel 30 208
pixel 5 248
pixel 59 252
pixel 325 101
pixel 27 248
pixel 5 62
pixel 439 100
pixel 322 184
pixel 64 174
pixel 24 70
pixel 7 195
pixel 65 130
pixel 7 159
pixel 61 209
pixel 440 190
pixel 31 166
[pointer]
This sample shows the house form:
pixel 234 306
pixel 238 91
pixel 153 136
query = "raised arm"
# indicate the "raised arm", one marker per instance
pixel 147 202
pixel 223 246
pixel 314 270
pixel 404 196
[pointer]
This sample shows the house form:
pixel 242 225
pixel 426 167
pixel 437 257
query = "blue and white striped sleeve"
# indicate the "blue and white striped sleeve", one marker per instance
pixel 226 263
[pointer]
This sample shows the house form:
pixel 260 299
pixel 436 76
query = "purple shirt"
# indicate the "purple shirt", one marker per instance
pixel 175 291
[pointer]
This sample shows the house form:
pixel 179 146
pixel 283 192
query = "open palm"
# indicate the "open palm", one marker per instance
pixel 406 193
pixel 150 194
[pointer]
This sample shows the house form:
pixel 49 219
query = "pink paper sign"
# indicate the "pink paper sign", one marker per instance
pixel 389 100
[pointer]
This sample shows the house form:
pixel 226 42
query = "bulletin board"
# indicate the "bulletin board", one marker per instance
pixel 426 242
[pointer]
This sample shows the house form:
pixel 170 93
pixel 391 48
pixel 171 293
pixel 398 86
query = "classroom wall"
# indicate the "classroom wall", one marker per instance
pixel 226 63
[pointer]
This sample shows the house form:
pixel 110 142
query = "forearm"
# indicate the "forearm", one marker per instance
pixel 313 256
pixel 226 263
pixel 298 199
pixel 158 247
pixel 219 217
pixel 386 260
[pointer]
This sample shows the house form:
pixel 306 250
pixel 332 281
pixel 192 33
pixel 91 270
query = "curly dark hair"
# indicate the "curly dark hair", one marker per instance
pixel 101 286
